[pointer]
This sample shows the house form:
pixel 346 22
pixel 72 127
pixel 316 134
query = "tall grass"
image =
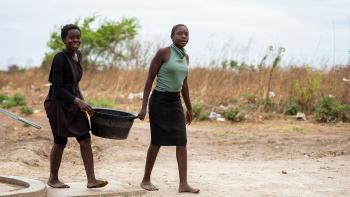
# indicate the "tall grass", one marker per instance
pixel 212 86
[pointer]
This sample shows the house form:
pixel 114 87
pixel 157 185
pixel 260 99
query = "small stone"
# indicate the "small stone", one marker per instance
pixel 300 116
pixel 307 155
pixel 220 119
pixel 271 94
pixel 284 172
pixel 135 96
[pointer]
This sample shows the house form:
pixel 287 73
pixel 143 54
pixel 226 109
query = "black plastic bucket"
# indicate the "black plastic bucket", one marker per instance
pixel 112 124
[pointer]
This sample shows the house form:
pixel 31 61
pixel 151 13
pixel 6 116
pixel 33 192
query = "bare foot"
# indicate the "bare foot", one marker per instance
pixel 97 184
pixel 147 185
pixel 184 187
pixel 55 183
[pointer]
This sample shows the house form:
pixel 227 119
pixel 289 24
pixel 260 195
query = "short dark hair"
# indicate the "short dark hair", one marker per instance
pixel 66 28
pixel 175 27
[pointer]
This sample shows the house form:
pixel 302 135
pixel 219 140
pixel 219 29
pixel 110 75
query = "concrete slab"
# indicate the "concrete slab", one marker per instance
pixel 79 189
pixel 14 186
pixel 6 187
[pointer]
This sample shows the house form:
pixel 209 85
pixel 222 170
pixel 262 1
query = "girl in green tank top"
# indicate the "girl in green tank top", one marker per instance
pixel 167 119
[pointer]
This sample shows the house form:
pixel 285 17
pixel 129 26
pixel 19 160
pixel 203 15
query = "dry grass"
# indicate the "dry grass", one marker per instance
pixel 218 86
pixel 214 87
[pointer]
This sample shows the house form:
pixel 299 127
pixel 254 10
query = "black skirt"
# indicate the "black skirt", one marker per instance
pixel 167 119
pixel 66 120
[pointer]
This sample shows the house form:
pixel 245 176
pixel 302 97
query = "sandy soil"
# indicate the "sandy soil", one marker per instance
pixel 272 158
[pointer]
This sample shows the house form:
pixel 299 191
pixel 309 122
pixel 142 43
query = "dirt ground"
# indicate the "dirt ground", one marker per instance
pixel 270 158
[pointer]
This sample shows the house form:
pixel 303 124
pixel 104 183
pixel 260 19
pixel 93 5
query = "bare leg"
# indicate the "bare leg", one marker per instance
pixel 55 162
pixel 86 153
pixel 151 158
pixel 181 156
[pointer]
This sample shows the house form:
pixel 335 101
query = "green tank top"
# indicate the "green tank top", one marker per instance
pixel 172 73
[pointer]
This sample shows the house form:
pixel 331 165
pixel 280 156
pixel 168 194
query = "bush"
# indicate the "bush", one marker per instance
pixel 327 109
pixel 199 112
pixel 267 104
pixel 306 94
pixel 105 103
pixel 3 97
pixel 204 115
pixel 8 103
pixel 291 108
pixel 12 101
pixel 26 110
pixel 234 114
pixel 251 98
pixel 19 99
pixel 14 68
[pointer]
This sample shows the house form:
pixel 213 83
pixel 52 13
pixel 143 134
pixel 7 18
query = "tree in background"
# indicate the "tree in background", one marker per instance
pixel 105 47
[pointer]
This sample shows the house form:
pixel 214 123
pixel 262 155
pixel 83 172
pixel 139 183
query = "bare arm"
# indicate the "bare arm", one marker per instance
pixel 157 61
pixel 186 95
pixel 187 100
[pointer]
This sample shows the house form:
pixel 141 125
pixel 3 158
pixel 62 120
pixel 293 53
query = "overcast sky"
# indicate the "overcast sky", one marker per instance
pixel 221 28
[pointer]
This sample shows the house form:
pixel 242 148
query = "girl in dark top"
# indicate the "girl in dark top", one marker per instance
pixel 66 109
pixel 167 120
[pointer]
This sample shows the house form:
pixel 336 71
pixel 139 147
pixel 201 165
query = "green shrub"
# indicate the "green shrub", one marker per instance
pixel 197 107
pixel 291 108
pixel 267 104
pixel 327 109
pixel 3 97
pixel 204 115
pixel 8 103
pixel 234 114
pixel 26 110
pixel 12 101
pixel 105 103
pixel 251 98
pixel 199 112
pixel 305 94
pixel 19 99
